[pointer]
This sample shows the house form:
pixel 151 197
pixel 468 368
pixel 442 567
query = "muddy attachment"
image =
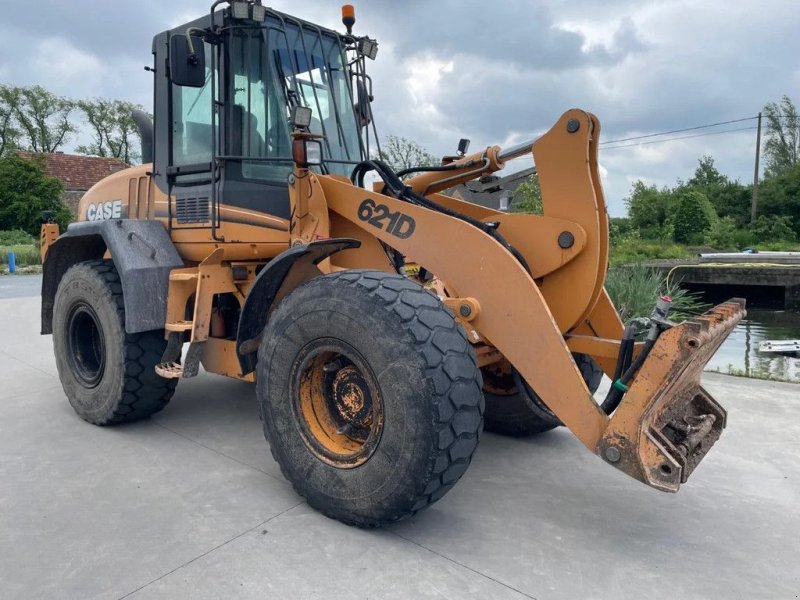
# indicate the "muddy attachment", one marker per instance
pixel 667 422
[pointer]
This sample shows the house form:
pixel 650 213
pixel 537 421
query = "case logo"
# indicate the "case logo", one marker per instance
pixel 102 211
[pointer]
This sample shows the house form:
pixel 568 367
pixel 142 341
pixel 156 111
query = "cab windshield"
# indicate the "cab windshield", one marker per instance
pixel 273 68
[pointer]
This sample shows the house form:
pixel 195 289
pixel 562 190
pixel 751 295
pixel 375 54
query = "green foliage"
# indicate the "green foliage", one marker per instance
pixel 401 153
pixel 632 249
pixel 635 289
pixel 26 254
pixel 648 207
pixel 9 130
pixel 721 234
pixel 693 217
pixel 782 145
pixel 729 198
pixel 773 228
pixel 114 129
pixel 25 191
pixel 528 197
pixel 16 237
pixel 43 118
pixel 780 195
pixel 743 238
pixel 32 118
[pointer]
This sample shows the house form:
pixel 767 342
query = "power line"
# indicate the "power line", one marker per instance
pixel 649 135
pixel 682 137
pixel 672 139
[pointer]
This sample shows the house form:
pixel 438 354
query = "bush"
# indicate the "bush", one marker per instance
pixel 773 228
pixel 26 255
pixel 693 218
pixel 743 238
pixel 25 192
pixel 632 249
pixel 16 237
pixel 721 235
pixel 635 289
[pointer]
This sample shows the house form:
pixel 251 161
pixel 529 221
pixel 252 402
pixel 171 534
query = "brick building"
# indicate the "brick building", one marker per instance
pixel 77 172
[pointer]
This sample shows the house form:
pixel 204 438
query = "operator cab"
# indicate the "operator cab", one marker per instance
pixel 226 87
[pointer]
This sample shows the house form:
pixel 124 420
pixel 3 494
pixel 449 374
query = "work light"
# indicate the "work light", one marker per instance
pixel 300 117
pixel 259 13
pixel 368 48
pixel 240 10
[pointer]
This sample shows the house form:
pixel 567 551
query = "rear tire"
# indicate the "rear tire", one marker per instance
pixel 107 374
pixel 370 396
pixel 516 413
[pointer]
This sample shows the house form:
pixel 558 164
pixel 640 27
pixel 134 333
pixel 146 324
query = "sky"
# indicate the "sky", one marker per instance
pixel 495 72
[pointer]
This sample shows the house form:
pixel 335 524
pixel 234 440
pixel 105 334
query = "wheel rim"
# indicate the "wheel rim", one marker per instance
pixel 337 403
pixel 86 351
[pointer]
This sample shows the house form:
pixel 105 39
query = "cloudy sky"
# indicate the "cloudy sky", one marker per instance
pixel 496 72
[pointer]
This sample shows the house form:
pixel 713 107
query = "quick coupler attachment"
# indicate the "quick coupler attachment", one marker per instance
pixel 666 422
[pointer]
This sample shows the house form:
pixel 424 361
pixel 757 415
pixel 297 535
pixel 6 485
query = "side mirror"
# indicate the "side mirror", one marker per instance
pixel 187 61
pixel 363 104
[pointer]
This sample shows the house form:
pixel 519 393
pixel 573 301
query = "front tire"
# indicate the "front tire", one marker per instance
pixel 513 409
pixel 107 374
pixel 370 396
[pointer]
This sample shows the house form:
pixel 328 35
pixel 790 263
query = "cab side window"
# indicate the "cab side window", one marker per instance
pixel 191 120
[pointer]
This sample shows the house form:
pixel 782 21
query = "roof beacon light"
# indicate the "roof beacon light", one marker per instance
pixel 348 17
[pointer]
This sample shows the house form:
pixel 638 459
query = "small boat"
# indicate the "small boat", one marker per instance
pixel 784 347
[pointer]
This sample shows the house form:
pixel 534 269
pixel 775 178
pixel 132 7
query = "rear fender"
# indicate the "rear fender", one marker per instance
pixel 143 255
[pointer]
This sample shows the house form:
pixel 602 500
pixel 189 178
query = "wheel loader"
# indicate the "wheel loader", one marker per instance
pixel 384 323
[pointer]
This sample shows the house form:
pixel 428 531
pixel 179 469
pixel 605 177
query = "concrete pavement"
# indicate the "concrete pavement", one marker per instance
pixel 189 504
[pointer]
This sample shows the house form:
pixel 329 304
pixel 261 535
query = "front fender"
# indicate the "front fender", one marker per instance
pixel 282 274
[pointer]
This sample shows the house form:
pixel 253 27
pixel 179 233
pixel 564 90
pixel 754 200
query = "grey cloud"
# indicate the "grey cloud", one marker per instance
pixel 516 66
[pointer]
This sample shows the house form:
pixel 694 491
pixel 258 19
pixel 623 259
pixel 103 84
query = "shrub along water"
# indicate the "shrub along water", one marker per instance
pixel 634 290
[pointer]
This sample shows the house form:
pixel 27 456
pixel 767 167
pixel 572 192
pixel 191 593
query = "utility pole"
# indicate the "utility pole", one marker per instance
pixel 754 203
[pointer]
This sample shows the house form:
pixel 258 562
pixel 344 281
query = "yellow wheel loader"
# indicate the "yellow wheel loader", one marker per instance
pixel 263 240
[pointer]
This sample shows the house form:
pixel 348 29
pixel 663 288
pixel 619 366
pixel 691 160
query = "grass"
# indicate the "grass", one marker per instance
pixel 634 290
pixel 632 250
pixel 27 255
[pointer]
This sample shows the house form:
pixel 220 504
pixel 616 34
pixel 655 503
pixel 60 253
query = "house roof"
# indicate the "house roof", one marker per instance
pixel 77 172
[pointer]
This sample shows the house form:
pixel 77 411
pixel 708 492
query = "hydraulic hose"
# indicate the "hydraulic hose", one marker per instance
pixel 658 323
pixel 397 189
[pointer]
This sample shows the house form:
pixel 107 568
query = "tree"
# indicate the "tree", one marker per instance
pixel 649 208
pixel 44 118
pixel 113 128
pixel 528 197
pixel 782 145
pixel 25 192
pixel 9 132
pixel 780 196
pixel 706 174
pixel 401 153
pixel 729 198
pixel 693 217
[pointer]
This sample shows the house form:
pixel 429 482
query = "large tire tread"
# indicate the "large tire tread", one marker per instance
pixel 444 345
pixel 144 393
